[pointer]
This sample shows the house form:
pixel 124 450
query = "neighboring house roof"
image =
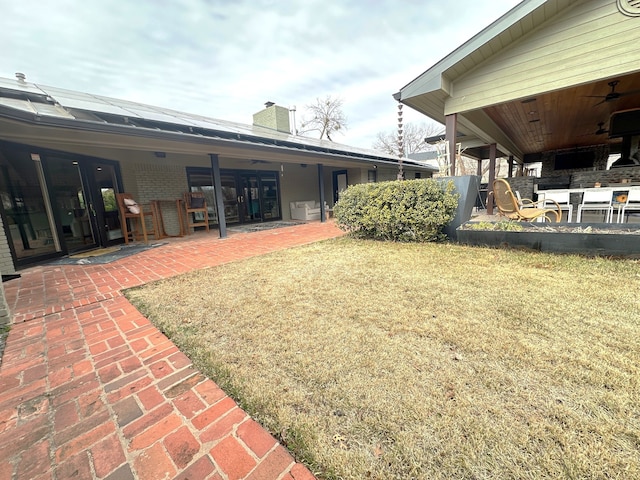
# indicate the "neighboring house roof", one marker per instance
pixel 428 158
pixel 51 106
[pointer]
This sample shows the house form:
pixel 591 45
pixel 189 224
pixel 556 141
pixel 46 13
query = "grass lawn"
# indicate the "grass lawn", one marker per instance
pixel 383 360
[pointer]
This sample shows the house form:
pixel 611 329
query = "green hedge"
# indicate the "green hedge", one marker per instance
pixel 405 211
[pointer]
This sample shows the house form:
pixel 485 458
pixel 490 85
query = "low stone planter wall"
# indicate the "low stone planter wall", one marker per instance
pixel 596 239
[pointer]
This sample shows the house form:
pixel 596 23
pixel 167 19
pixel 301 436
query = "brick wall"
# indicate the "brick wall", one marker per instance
pixel 6 267
pixel 275 117
pixel 6 261
pixel 615 175
pixel 524 185
pixel 5 316
pixel 161 182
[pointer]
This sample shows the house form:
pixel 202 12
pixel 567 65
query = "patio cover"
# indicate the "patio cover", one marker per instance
pixel 538 78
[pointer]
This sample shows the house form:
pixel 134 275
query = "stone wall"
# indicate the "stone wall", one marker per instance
pixel 548 162
pixel 524 185
pixel 605 177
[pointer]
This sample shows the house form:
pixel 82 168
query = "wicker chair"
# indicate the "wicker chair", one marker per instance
pixel 508 205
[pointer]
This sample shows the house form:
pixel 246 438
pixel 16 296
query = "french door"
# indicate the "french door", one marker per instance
pixel 247 196
pixel 83 199
pixel 54 203
pixel 259 198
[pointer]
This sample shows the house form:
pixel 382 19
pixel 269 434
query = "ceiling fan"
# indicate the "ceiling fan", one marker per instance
pixel 601 130
pixel 612 95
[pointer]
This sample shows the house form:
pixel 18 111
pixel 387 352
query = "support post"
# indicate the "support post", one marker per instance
pixel 217 188
pixel 479 170
pixel 451 127
pixel 510 174
pixel 323 213
pixel 492 177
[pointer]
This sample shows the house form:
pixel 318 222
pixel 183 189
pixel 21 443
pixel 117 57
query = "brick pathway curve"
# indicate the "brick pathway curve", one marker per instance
pixel 89 388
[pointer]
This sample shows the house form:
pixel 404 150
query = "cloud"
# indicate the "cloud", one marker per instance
pixel 225 59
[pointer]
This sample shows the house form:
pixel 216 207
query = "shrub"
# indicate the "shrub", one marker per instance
pixel 405 211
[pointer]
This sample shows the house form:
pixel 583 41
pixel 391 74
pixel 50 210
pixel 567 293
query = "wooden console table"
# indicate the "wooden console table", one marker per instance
pixel 156 206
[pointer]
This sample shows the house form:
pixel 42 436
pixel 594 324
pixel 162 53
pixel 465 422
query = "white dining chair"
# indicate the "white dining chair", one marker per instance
pixel 632 204
pixel 562 198
pixel 596 199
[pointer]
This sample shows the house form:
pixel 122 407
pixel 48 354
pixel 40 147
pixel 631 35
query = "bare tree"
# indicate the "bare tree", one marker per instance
pixel 414 135
pixel 464 165
pixel 326 117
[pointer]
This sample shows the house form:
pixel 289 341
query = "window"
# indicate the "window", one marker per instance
pixel 372 176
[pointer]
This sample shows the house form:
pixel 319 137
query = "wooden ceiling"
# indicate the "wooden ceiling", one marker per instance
pixel 566 118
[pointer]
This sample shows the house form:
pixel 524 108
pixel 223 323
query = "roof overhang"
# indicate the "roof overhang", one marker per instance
pixel 58 132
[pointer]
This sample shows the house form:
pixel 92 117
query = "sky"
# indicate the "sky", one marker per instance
pixel 225 58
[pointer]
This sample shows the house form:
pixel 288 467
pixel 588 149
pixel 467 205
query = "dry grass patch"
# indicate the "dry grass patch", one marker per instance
pixel 380 360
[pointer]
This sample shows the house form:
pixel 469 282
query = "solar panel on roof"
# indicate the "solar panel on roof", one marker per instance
pixel 19 86
pixel 150 114
pixel 51 110
pixel 19 104
pixel 92 106
pixel 82 106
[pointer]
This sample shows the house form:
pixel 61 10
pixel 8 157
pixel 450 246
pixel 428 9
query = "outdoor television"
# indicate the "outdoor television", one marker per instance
pixel 575 159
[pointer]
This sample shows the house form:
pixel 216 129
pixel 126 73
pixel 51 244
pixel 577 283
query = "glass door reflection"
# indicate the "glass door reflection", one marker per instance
pixel 250 199
pixel 72 204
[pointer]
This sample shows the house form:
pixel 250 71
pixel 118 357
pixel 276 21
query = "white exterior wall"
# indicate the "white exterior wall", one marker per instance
pixel 297 184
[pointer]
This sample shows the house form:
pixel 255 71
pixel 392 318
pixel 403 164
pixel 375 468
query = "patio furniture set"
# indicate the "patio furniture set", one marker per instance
pixel 553 202
pixel 133 216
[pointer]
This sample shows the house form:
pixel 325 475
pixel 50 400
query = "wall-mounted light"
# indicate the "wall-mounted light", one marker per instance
pixel 303 165
pixel 159 154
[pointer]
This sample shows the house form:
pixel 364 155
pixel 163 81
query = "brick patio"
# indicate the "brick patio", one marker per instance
pixel 89 388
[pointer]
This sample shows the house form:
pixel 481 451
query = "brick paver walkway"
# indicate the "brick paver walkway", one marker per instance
pixel 89 388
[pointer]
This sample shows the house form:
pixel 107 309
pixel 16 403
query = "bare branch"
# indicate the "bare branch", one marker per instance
pixel 325 116
pixel 414 135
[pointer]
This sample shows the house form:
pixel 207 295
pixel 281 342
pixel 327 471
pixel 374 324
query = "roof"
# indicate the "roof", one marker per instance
pixel 46 105
pixel 424 156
